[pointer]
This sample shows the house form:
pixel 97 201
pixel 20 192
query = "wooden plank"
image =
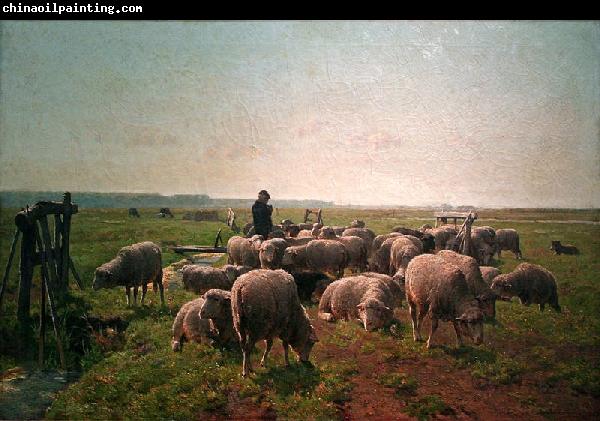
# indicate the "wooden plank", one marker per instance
pixel 26 275
pixel 198 249
pixel 42 338
pixel 75 274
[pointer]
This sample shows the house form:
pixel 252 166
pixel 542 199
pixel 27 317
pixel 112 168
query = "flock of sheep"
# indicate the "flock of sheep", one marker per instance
pixel 257 295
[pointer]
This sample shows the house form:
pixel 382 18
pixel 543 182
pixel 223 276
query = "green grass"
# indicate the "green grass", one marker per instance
pixel 134 374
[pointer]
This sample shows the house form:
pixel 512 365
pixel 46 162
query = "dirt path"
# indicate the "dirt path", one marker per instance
pixel 26 394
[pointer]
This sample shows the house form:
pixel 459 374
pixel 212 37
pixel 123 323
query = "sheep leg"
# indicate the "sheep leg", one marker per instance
pixel 128 295
pixel 422 313
pixel 412 309
pixel 434 326
pixel 247 346
pixel 144 290
pixel 458 332
pixel 158 280
pixel 269 344
pixel 135 293
pixel 285 353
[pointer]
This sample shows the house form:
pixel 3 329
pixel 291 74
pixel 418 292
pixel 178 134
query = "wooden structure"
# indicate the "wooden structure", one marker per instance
pixel 463 243
pixel 442 218
pixel 231 221
pixel 51 253
pixel 317 212
pixel 202 249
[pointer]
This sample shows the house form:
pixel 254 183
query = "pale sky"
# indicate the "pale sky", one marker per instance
pixel 492 113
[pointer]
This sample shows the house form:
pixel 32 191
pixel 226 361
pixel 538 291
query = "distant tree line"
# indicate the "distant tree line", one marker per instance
pixel 18 199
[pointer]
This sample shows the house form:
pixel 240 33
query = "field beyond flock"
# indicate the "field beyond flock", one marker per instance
pixel 531 366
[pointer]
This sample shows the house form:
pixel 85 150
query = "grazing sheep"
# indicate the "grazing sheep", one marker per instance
pixel 438 288
pixel 533 284
pixel 364 233
pixel 396 286
pixel 356 247
pixel 477 286
pixel 200 279
pixel 271 253
pixel 338 230
pixel 402 251
pixel 265 305
pixel 217 308
pixel 425 227
pixel 378 241
pixel 367 298
pixel 298 241
pixel 292 230
pixel 276 233
pixel 357 223
pixel 560 249
pixel 488 273
pixel 441 236
pixel 233 272
pixel 294 258
pixel 305 234
pixel 311 285
pixel 408 231
pixel 134 266
pixel 380 259
pixel 189 326
pixel 327 256
pixel 244 251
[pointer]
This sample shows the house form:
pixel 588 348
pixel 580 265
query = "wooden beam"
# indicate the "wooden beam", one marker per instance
pixel 198 249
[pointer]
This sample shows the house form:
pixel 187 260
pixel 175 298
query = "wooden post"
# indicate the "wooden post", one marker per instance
pixel 51 263
pixel 42 324
pixel 75 274
pixel 57 251
pixel 24 300
pixel 50 288
pixel 9 264
pixel 66 233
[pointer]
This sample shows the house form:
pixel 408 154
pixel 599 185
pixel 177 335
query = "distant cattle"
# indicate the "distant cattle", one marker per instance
pixel 133 212
pixel 164 212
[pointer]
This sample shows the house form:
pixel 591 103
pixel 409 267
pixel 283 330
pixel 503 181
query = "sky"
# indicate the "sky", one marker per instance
pixel 482 113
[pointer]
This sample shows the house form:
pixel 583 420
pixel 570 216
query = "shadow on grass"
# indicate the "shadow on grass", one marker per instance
pixel 467 355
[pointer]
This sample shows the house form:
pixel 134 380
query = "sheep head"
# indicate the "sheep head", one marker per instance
pixel 374 314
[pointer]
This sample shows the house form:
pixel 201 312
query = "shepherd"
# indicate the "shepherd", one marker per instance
pixel 261 214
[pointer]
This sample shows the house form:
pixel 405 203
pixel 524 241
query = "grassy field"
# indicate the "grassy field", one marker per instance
pixel 532 365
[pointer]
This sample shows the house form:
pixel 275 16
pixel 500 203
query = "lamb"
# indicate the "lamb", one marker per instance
pixel 402 251
pixel 233 271
pixel 265 305
pixel 366 298
pixel 364 233
pixel 217 308
pixel 439 288
pixel 244 251
pixel 134 266
pixel 189 326
pixel 200 279
pixel 271 253
pixel 327 256
pixel 488 273
pixel 560 249
pixel 477 286
pixel 533 284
